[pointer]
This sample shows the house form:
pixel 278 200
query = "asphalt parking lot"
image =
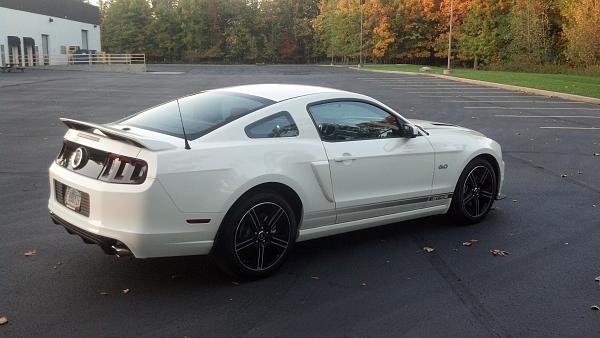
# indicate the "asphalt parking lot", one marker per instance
pixel 375 282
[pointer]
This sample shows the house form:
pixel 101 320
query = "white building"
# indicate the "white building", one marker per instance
pixel 41 32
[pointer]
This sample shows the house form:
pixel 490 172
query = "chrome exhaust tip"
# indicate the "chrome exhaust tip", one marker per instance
pixel 120 251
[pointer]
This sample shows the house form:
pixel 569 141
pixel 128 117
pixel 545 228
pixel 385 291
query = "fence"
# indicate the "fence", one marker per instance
pixel 81 59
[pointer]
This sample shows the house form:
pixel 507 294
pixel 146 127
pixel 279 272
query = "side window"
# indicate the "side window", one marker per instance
pixel 277 125
pixel 351 121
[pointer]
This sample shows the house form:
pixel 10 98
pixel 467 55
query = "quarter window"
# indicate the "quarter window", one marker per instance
pixel 277 125
pixel 353 120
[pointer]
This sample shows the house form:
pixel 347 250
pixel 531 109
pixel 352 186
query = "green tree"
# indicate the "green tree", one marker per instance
pixel 533 33
pixel 481 35
pixel 125 26
pixel 166 31
pixel 241 45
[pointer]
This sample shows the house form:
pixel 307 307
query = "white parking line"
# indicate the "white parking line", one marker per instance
pixel 414 82
pixel 535 108
pixel 427 85
pixel 573 128
pixel 500 101
pixel 411 77
pixel 471 96
pixel 440 86
pixel 443 92
pixel 552 116
pixel 409 80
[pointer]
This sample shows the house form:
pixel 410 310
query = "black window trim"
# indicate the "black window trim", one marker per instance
pixel 281 113
pixel 399 120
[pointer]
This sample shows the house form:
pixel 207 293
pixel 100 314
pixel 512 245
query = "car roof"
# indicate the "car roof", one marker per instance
pixel 279 92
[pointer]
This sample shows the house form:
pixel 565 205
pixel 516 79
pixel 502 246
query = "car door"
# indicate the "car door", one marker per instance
pixel 375 170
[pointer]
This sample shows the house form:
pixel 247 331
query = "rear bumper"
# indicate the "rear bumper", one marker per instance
pixel 110 246
pixel 139 218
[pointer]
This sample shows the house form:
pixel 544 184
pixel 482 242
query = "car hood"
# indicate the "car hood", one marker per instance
pixel 440 128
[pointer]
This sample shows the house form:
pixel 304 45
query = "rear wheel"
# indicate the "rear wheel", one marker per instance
pixel 475 192
pixel 256 236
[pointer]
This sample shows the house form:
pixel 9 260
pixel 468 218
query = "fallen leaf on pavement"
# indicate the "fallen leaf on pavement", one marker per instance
pixel 3 320
pixel 428 249
pixel 595 307
pixel 30 253
pixel 125 291
pixel 497 252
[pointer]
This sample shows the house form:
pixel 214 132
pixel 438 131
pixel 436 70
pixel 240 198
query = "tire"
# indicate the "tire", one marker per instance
pixel 475 192
pixel 256 236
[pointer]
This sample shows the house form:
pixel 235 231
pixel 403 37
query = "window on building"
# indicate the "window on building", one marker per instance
pixel 84 39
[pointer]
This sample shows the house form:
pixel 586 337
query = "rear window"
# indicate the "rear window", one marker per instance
pixel 201 113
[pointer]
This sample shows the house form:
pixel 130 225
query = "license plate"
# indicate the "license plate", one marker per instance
pixel 72 198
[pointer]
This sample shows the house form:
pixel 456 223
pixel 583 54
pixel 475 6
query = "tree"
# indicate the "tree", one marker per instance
pixel 241 45
pixel 416 26
pixel 533 35
pixel 125 26
pixel 581 29
pixel 377 25
pixel 481 35
pixel 166 31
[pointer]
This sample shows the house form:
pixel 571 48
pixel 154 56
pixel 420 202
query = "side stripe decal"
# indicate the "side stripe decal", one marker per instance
pixel 379 205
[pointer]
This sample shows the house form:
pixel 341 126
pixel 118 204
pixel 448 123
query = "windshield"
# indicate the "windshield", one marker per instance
pixel 201 113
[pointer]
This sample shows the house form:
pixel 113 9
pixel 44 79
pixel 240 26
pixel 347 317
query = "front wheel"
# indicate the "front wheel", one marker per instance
pixel 256 236
pixel 475 192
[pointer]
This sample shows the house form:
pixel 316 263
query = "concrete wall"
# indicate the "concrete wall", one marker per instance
pixel 61 32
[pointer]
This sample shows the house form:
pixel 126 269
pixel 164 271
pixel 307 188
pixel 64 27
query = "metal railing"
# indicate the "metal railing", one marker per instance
pixel 79 59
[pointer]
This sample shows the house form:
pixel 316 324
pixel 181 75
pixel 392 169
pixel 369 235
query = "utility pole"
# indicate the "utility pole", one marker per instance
pixel 449 70
pixel 360 61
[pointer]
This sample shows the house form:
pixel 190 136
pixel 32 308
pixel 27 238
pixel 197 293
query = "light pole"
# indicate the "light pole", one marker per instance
pixel 360 60
pixel 449 70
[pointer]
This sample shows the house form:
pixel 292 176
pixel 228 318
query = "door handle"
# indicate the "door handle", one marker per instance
pixel 345 157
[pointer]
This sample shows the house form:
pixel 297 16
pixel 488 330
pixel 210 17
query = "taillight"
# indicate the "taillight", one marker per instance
pixel 124 170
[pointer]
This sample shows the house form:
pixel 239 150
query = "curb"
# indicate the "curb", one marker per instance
pixel 513 88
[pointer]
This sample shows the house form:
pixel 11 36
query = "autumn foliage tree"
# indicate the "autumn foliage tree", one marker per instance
pixel 582 30
pixel 520 34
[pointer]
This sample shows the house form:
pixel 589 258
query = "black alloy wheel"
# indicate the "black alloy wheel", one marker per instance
pixel 256 236
pixel 475 192
pixel 262 237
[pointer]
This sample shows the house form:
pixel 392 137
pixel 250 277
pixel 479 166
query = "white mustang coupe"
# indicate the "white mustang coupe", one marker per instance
pixel 244 172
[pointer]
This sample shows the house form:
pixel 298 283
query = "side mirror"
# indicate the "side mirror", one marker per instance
pixel 408 131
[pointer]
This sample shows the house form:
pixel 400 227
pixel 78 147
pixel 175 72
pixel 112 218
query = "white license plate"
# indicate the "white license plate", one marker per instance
pixel 72 198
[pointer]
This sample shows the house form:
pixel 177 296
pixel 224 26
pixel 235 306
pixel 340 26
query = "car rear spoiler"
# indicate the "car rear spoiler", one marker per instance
pixel 117 134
